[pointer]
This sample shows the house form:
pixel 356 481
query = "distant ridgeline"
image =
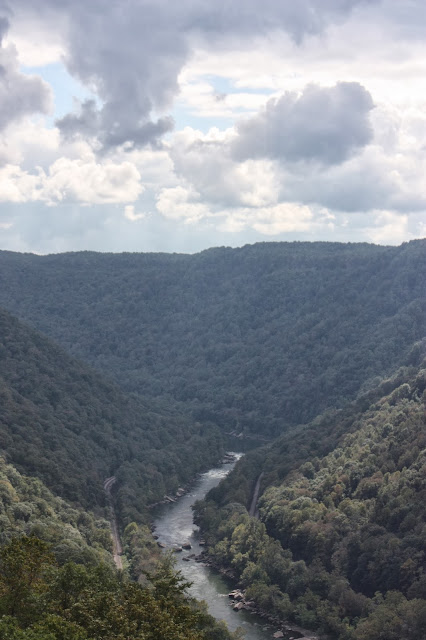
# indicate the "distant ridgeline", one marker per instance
pixel 256 339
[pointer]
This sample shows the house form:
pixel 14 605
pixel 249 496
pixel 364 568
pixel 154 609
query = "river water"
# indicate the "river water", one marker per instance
pixel 174 526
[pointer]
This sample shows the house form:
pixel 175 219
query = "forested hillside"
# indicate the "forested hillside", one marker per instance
pixel 340 543
pixel 254 339
pixel 292 340
pixel 28 508
pixel 63 423
pixel 43 600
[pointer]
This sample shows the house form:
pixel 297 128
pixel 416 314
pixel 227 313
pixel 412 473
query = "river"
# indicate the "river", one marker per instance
pixel 174 526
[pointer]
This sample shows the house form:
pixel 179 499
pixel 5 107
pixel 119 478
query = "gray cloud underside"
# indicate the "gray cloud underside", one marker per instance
pixel 130 54
pixel 322 124
pixel 20 94
pixel 100 124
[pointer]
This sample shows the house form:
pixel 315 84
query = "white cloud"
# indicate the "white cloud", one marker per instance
pixel 17 185
pixel 31 32
pixel 391 228
pixel 29 143
pixel 178 203
pixel 205 162
pixel 130 213
pixel 90 182
pixel 271 221
pixel 226 70
pixel 82 180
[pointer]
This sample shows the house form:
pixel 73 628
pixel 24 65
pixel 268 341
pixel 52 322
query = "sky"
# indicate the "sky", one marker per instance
pixel 157 125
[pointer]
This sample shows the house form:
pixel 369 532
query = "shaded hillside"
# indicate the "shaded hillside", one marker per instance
pixel 62 422
pixel 340 541
pixel 257 338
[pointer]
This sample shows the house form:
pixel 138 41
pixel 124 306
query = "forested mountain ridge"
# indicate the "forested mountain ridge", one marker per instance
pixel 62 422
pixel 255 339
pixel 340 541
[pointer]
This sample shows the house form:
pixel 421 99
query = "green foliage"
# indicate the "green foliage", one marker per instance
pixel 255 339
pixel 62 422
pixel 41 601
pixel 142 549
pixel 22 566
pixel 28 507
pixel 340 528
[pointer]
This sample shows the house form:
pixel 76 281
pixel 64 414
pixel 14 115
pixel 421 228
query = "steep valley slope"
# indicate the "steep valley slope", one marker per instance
pixel 256 339
pixel 63 423
pixel 340 543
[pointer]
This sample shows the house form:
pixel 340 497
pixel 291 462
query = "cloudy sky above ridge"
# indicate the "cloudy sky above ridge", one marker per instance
pixel 152 125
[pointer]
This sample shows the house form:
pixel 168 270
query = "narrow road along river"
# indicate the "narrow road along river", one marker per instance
pixel 174 526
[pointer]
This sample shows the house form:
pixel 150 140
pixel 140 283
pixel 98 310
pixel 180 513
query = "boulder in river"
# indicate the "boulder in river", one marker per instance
pixel 186 545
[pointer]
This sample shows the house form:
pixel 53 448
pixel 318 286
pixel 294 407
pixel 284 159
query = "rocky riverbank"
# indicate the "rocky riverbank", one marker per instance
pixel 238 601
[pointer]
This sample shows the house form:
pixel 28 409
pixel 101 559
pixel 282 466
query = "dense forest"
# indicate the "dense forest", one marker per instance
pixel 28 507
pixel 44 600
pixel 255 339
pixel 340 540
pixel 139 366
pixel 64 426
pixel 63 423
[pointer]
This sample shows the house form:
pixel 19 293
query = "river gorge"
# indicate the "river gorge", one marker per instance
pixel 174 526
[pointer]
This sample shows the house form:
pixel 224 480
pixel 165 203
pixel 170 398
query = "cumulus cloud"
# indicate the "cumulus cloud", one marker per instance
pixel 323 124
pixel 183 204
pixel 102 126
pixel 20 95
pixel 205 162
pixel 276 195
pixel 27 143
pixel 316 151
pixel 300 148
pixel 179 203
pixel 17 185
pixel 282 218
pixel 130 55
pixel 80 180
pixel 89 182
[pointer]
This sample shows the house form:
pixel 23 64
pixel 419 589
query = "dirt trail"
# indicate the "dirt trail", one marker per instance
pixel 254 511
pixel 116 542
